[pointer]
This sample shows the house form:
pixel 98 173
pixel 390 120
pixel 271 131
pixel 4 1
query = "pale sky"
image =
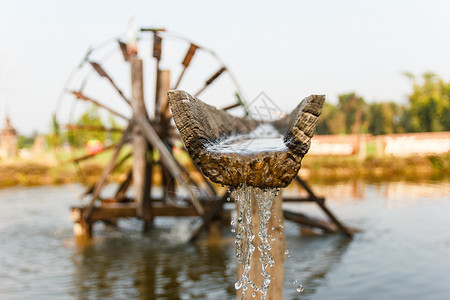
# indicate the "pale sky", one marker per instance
pixel 288 49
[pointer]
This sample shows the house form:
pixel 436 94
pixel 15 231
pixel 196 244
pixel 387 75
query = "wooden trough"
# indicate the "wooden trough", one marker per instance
pixel 202 126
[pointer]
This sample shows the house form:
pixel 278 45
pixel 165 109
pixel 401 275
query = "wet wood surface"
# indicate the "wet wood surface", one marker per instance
pixel 201 125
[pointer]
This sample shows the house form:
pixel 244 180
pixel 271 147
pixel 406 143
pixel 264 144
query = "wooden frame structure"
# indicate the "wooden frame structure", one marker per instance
pixel 148 136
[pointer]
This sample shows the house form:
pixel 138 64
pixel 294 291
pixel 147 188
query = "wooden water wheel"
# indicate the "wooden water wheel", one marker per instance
pixel 98 102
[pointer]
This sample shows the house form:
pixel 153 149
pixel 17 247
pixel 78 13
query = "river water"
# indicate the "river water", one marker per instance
pixel 403 251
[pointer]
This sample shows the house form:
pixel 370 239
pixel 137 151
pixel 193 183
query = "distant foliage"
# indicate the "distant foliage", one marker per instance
pixel 428 110
pixel 26 141
pixel 90 117
pixel 355 110
pixel 429 103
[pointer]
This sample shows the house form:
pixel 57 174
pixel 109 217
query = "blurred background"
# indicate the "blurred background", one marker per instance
pixel 380 156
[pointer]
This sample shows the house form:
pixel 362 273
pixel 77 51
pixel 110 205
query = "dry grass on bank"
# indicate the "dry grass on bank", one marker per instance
pixel 46 170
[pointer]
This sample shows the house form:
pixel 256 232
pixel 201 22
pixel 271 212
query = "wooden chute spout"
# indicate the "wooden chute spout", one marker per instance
pixel 202 127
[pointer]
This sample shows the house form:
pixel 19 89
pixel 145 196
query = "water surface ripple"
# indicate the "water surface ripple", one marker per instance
pixel 402 253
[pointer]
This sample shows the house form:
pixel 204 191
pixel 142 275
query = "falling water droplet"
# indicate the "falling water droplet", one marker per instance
pixel 300 288
pixel 286 252
pixel 254 295
pixel 232 222
pixel 233 230
pixel 238 284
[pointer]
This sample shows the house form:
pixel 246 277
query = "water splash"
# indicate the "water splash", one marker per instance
pixel 264 200
pixel 245 236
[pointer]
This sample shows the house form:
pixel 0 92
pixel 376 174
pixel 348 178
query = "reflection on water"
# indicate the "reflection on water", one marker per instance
pixel 389 190
pixel 325 252
pixel 402 253
pixel 130 267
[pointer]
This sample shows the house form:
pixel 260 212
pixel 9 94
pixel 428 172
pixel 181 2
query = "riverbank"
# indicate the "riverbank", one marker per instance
pixel 47 170
pixel 323 169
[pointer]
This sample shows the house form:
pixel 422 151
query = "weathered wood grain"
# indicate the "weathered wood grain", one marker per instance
pixel 201 125
pixel 140 147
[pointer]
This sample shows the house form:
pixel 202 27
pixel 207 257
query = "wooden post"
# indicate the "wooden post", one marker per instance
pixel 140 147
pixel 148 222
pixel 278 245
pixel 82 228
pixel 82 231
pixel 321 203
pixel 122 190
pixel 165 116
pixel 164 86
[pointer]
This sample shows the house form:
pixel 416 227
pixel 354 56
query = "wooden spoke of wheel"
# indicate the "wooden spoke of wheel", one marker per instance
pixel 168 160
pixel 108 169
pixel 186 62
pixel 86 98
pixel 238 103
pixel 124 50
pixel 90 189
pixel 88 156
pixel 121 191
pixel 99 69
pixel 211 80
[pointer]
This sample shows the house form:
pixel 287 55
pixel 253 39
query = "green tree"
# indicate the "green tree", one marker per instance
pixel 27 141
pixel 385 118
pixel 380 118
pixel 91 117
pixel 429 103
pixel 54 138
pixel 331 121
pixel 114 136
pixel 355 109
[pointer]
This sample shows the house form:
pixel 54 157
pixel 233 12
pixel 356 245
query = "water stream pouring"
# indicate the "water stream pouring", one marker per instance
pixel 257 158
